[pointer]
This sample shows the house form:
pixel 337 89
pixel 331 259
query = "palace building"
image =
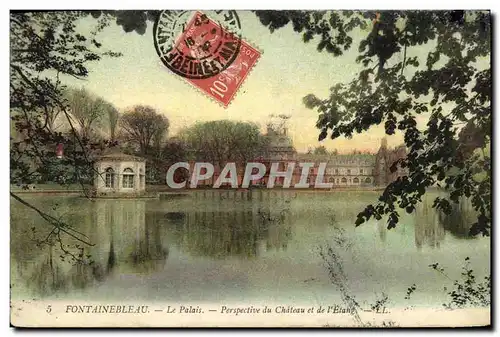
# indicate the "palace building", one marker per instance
pixel 342 170
pixel 355 169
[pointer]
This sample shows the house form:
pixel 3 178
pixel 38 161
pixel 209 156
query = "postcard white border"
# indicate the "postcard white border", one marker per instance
pixel 198 4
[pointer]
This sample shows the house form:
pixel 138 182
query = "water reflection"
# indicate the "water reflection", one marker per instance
pixel 224 232
pixel 382 230
pixel 432 225
pixel 459 221
pixel 131 243
pixel 429 231
pixel 122 242
pixel 136 236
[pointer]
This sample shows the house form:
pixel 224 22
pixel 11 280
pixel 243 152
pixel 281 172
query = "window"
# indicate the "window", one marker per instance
pixel 355 180
pixel 360 171
pixel 110 177
pixel 337 171
pixel 332 180
pixel 348 171
pixel 344 180
pixel 368 181
pixel 128 178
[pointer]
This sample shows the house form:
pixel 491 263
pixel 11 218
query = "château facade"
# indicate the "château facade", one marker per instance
pixel 342 170
pixel 356 169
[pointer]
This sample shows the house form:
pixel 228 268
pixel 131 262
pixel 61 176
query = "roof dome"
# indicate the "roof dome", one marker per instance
pixel 280 141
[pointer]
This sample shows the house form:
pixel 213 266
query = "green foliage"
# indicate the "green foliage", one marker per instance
pixel 130 21
pixel 45 45
pixel 444 82
pixel 219 142
pixel 467 292
pixel 87 110
pixel 112 117
pixel 320 150
pixel 380 303
pixel 144 127
pixel 410 291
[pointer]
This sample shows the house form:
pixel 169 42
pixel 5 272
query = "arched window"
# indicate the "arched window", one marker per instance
pixel 128 178
pixel 344 180
pixel 360 171
pixel 355 181
pixel 332 180
pixel 109 177
pixel 368 180
pixel 337 171
pixel 348 171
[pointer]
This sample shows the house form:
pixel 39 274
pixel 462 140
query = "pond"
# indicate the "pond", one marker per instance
pixel 201 249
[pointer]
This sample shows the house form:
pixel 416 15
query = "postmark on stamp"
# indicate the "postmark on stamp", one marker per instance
pixel 208 52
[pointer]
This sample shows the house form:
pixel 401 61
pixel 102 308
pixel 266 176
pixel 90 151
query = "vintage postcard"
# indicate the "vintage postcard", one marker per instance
pixel 250 168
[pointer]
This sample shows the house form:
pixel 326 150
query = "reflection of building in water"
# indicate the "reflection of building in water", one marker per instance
pixel 121 241
pixel 428 229
pixel 131 242
pixel 279 234
pixel 431 225
pixel 216 231
pixel 382 230
pixel 220 233
pixel 460 219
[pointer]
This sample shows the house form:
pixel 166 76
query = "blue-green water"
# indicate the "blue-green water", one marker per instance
pixel 225 250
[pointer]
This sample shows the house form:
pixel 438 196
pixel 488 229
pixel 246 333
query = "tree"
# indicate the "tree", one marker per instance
pixel 113 116
pixel 87 109
pixel 51 119
pixel 394 86
pixel 320 150
pixel 174 150
pixel 144 127
pixel 45 46
pixel 224 141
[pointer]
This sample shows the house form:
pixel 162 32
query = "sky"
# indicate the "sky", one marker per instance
pixel 288 70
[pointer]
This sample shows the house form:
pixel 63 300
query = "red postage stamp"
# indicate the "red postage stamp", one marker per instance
pixel 224 86
pixel 210 54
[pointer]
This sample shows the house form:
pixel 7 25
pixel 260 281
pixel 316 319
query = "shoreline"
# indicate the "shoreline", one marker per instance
pixel 169 191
